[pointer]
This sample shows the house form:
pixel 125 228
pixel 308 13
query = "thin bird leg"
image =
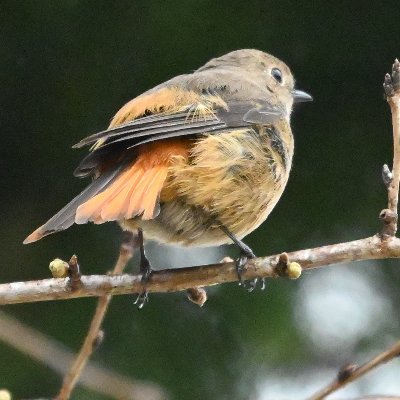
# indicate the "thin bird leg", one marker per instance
pixel 245 253
pixel 145 270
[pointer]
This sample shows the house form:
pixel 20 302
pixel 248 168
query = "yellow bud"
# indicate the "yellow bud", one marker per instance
pixel 294 270
pixel 5 394
pixel 59 269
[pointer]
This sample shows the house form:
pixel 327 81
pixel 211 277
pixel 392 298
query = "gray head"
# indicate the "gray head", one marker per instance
pixel 274 73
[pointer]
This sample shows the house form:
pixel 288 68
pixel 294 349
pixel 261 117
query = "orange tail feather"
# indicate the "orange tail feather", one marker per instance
pixel 91 209
pixel 135 192
pixel 118 206
pixel 150 200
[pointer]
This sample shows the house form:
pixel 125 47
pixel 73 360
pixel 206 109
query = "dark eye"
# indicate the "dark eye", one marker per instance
pixel 277 74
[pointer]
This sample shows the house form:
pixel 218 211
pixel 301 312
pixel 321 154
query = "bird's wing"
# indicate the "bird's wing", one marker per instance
pixel 171 116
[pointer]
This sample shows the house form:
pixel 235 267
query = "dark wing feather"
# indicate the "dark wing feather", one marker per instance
pixel 240 114
pixel 142 123
pixel 92 160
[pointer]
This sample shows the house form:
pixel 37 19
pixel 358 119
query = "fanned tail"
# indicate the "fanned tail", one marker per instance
pixel 120 193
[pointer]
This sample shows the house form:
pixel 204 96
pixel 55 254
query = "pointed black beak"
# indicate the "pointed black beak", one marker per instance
pixel 300 97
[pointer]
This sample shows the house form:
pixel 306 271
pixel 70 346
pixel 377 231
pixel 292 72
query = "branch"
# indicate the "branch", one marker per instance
pixel 391 86
pixel 174 280
pixel 53 354
pixel 94 335
pixel 350 373
pixel 376 397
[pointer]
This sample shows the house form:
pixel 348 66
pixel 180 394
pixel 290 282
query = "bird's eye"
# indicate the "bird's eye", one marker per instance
pixel 277 74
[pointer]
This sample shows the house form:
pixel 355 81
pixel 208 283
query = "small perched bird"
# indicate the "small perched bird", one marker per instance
pixel 199 160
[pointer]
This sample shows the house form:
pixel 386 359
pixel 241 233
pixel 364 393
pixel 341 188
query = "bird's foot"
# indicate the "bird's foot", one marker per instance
pixel 245 255
pixel 146 270
pixel 142 299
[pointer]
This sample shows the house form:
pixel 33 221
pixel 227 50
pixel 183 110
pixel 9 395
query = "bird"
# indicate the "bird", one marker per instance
pixel 199 160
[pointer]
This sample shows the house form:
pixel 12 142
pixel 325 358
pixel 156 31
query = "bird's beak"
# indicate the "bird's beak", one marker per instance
pixel 300 97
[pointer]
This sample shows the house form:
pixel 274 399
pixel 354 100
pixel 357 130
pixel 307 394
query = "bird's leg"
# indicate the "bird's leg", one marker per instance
pixel 245 253
pixel 145 270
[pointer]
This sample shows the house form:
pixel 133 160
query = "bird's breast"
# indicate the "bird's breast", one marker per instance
pixel 234 177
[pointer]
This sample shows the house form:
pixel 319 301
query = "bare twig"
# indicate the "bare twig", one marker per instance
pixel 56 356
pixel 92 338
pixel 355 373
pixel 375 397
pixel 391 86
pixel 392 90
pixel 173 280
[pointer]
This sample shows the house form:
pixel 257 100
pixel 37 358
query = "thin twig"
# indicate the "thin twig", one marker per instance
pixel 375 397
pixel 358 372
pixel 392 89
pixel 91 340
pixel 391 86
pixel 394 103
pixel 173 280
pixel 56 356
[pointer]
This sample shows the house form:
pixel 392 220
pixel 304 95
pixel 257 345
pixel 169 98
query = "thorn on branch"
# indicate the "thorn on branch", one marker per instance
pixel 389 219
pixel 345 372
pixel 387 176
pixel 282 264
pixel 197 295
pixel 98 339
pixel 388 216
pixel 74 274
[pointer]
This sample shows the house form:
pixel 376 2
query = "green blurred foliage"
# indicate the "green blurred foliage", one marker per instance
pixel 66 67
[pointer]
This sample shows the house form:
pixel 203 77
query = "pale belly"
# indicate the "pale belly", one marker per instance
pixel 233 179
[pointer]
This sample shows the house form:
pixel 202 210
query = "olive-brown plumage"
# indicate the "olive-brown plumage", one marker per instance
pixel 204 150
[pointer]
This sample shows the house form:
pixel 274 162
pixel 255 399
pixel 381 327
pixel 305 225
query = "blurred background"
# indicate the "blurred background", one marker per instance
pixel 66 67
